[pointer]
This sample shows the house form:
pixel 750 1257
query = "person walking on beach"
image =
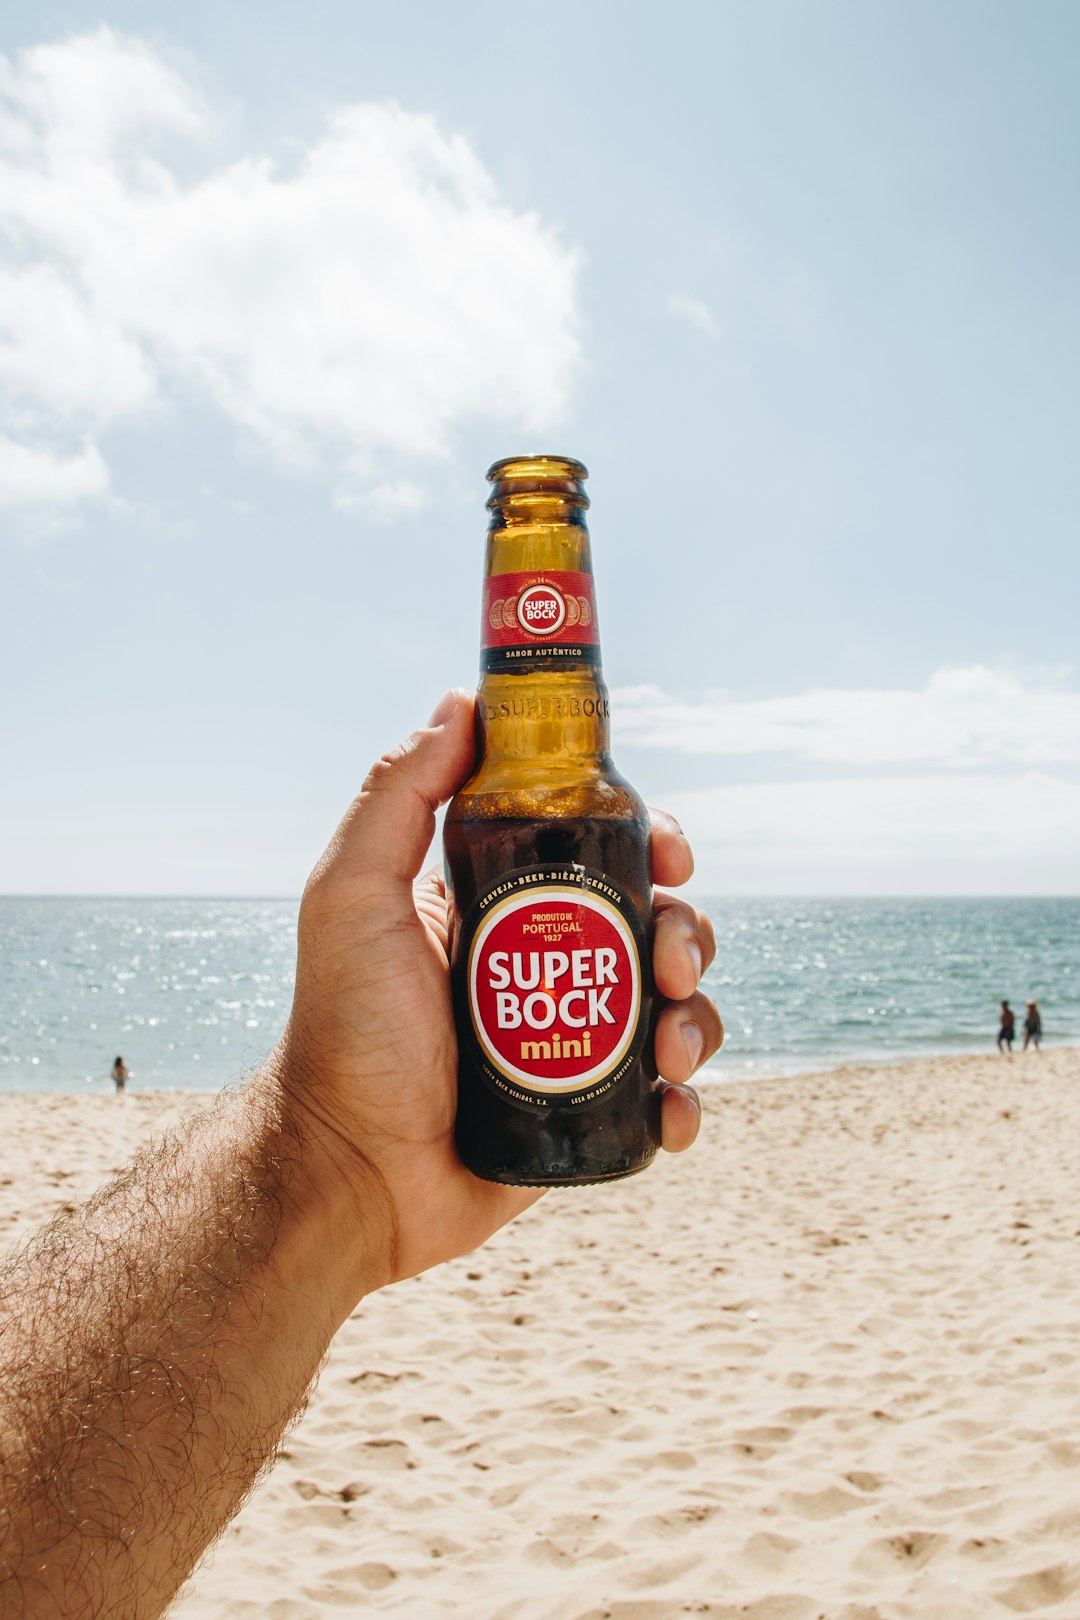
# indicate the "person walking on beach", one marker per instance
pixel 1007 1032
pixel 120 1074
pixel 1032 1026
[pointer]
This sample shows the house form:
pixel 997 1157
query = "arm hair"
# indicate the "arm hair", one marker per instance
pixel 145 1383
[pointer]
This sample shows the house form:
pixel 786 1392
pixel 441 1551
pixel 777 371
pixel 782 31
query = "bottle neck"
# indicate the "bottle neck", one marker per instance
pixel 539 608
pixel 543 704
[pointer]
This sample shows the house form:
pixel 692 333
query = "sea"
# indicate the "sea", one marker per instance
pixel 194 993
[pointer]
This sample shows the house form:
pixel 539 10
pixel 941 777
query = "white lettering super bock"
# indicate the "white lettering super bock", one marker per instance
pixel 554 981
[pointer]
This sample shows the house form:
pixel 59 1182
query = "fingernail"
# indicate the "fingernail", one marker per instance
pixel 695 956
pixel 695 1043
pixel 443 710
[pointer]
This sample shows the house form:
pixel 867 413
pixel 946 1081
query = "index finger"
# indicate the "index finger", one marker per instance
pixel 672 857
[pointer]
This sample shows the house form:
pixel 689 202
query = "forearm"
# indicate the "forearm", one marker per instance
pixel 153 1346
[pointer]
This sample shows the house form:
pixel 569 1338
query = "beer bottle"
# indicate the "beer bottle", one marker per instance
pixel 547 860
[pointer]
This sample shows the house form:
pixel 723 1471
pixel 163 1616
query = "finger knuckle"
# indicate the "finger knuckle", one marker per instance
pixel 672 910
pixel 386 767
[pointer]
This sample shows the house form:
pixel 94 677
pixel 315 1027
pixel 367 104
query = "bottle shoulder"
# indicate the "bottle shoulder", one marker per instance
pixel 521 793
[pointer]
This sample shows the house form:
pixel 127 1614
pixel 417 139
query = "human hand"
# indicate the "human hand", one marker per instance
pixel 368 1063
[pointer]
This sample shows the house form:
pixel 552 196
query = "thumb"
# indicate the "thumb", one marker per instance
pixel 389 826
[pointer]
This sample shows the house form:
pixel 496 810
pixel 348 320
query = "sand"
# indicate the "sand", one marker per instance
pixel 823 1366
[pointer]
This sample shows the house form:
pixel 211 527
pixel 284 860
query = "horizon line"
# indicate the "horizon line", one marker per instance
pixel 792 894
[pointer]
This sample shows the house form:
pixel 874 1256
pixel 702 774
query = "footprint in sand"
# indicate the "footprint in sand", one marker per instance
pixel 768 1552
pixel 343 1587
pixel 386 1454
pixel 825 1504
pixel 676 1522
pixel 1035 1593
pixel 379 1380
pixel 911 1551
pixel 765 1434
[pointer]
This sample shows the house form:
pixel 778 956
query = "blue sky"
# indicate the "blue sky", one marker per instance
pixel 799 282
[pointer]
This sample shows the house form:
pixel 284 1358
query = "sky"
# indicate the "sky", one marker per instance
pixel 800 283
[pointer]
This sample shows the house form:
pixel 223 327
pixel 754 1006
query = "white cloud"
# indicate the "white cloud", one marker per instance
pixel 975 834
pixel 963 718
pixel 32 477
pixel 963 786
pixel 383 502
pixel 59 364
pixel 361 305
pixel 695 311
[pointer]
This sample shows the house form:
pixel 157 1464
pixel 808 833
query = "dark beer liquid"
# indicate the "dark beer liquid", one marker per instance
pixel 551 1143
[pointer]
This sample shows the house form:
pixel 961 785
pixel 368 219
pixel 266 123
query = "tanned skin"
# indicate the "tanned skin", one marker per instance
pixel 156 1342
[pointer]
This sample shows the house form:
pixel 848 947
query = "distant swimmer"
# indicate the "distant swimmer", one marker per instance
pixel 1007 1032
pixel 1032 1026
pixel 120 1074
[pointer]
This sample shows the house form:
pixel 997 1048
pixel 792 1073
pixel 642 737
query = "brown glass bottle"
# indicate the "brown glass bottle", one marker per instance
pixel 547 860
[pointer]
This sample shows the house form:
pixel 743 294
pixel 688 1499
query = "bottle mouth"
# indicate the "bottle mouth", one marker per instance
pixel 562 476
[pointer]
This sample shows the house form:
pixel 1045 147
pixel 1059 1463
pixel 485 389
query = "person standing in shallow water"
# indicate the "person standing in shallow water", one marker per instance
pixel 120 1074
pixel 1032 1026
pixel 1007 1031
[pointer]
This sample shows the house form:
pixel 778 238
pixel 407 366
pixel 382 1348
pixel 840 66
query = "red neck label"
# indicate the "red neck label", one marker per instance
pixel 554 984
pixel 543 616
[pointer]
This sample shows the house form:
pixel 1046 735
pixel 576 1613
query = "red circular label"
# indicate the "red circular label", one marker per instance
pixel 554 988
pixel 541 610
